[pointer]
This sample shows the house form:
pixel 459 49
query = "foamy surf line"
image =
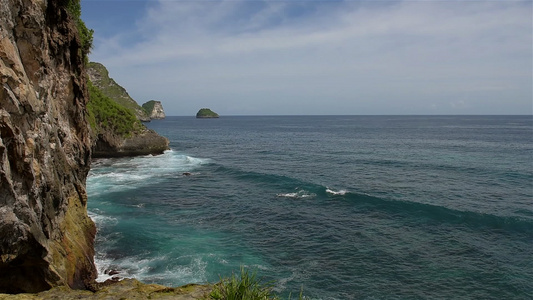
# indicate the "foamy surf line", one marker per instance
pixel 340 192
pixel 130 173
pixel 297 195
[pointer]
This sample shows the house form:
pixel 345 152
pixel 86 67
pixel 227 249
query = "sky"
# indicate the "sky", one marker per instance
pixel 319 57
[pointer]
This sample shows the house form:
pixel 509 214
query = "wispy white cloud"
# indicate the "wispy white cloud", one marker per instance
pixel 268 57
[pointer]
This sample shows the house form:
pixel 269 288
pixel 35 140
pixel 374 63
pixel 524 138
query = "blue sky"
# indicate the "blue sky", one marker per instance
pixel 319 57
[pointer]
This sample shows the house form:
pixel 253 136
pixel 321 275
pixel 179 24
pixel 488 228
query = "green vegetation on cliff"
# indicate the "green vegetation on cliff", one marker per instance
pixel 85 34
pixel 106 115
pixel 206 113
pixel 149 106
pixel 99 76
pixel 116 119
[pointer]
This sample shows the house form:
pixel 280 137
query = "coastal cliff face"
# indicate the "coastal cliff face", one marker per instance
pixel 134 138
pixel 99 76
pixel 154 109
pixel 46 237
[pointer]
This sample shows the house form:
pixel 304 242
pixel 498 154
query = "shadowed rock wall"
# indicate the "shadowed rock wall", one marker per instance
pixel 46 237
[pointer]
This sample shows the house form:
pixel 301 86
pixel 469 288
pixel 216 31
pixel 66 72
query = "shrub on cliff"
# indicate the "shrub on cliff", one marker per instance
pixel 86 34
pixel 106 115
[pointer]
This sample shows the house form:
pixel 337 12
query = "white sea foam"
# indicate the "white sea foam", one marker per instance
pixel 101 220
pixel 340 192
pixel 113 175
pixel 142 269
pixel 195 272
pixel 297 195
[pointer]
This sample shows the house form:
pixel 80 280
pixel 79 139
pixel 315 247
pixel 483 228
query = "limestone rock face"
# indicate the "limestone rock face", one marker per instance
pixel 154 109
pixel 46 237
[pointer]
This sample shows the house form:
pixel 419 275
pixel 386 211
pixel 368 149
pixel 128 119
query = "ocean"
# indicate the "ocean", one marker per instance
pixel 340 207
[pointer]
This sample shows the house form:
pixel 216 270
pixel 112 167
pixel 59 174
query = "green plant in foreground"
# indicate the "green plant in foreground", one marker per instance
pixel 244 287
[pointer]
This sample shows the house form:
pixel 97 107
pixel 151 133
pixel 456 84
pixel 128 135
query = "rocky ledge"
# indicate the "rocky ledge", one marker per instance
pixel 125 289
pixel 144 143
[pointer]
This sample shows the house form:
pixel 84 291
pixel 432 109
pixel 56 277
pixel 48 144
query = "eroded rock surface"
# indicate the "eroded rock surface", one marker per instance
pixel 46 237
pixel 154 109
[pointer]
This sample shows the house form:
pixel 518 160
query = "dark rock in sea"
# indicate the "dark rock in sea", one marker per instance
pixel 46 236
pixel 111 272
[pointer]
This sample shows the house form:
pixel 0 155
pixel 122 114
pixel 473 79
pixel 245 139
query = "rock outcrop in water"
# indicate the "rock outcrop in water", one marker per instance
pixel 154 109
pixel 206 113
pixel 46 237
pixel 143 143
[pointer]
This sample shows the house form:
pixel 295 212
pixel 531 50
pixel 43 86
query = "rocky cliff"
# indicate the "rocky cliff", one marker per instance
pixel 46 237
pixel 99 76
pixel 118 131
pixel 154 109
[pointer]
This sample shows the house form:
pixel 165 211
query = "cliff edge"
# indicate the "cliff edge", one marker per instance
pixel 46 237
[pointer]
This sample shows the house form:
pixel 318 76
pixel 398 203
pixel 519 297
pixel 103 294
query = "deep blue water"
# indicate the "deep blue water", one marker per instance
pixel 343 207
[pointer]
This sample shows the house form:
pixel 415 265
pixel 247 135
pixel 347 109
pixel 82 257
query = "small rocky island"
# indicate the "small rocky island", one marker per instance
pixel 206 113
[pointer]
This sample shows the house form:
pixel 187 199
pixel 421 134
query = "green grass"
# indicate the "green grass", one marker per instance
pixel 245 286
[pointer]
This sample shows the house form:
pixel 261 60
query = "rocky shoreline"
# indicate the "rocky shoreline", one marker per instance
pixel 147 142
pixel 124 289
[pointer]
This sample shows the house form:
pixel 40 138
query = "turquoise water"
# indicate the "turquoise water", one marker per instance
pixel 343 207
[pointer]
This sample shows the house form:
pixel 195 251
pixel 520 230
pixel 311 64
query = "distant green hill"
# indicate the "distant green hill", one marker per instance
pixel 99 76
pixel 206 113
